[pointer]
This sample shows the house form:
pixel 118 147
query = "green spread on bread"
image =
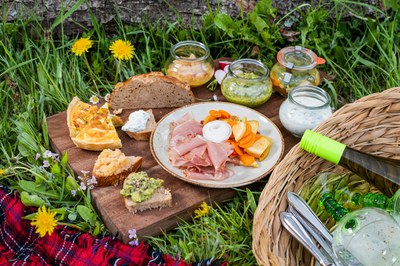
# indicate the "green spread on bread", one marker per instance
pixel 140 187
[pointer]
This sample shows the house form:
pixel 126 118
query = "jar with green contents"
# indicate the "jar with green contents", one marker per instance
pixel 295 67
pixel 247 83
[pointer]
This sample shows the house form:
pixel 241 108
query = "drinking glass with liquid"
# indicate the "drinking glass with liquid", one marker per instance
pixel 369 237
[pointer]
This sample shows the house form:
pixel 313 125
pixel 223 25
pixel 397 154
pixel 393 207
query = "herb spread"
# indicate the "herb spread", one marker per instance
pixel 247 89
pixel 140 187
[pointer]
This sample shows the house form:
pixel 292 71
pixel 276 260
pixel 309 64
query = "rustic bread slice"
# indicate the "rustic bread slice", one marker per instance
pixel 112 167
pixel 144 134
pixel 142 192
pixel 152 90
pixel 161 198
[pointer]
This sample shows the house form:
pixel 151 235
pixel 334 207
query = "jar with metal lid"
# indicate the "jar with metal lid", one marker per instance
pixel 247 83
pixel 305 108
pixel 295 66
pixel 191 62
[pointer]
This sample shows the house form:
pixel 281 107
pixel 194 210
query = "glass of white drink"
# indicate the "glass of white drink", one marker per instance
pixel 370 235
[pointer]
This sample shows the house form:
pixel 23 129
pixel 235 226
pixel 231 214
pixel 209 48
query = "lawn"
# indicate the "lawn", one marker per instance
pixel 39 75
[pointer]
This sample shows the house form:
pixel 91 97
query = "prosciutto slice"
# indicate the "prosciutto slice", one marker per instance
pixel 184 128
pixel 201 159
pixel 191 143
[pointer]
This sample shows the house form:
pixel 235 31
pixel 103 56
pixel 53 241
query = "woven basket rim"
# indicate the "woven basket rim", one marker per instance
pixel 360 124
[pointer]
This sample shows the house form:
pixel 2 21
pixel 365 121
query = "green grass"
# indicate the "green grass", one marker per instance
pixel 39 76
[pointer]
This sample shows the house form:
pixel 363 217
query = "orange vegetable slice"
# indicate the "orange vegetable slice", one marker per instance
pixel 248 141
pixel 237 149
pixel 224 114
pixel 246 159
pixel 209 119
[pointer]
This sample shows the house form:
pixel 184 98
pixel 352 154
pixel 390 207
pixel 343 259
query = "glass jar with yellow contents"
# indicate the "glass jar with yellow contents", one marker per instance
pixel 190 61
pixel 247 83
pixel 295 67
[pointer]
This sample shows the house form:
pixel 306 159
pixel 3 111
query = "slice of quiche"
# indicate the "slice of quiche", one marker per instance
pixel 78 115
pixel 99 132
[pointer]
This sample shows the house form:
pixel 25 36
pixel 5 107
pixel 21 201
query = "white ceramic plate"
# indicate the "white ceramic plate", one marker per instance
pixel 243 175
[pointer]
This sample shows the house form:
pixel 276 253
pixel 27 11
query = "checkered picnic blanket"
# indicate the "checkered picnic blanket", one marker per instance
pixel 20 245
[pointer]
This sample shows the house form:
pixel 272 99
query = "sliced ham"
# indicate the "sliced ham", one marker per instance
pixel 186 146
pixel 208 174
pixel 183 130
pixel 219 153
pixel 198 156
pixel 201 159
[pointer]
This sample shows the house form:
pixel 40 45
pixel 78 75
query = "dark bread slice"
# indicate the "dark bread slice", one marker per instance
pixel 152 90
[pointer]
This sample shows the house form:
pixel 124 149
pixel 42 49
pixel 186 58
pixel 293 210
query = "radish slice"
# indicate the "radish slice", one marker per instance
pixel 226 68
pixel 223 64
pixel 219 75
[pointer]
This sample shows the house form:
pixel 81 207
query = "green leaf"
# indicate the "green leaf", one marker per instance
pixel 31 200
pixel 85 213
pixel 64 159
pixel 266 36
pixel 252 201
pixel 26 144
pixel 42 77
pixel 63 16
pixel 31 187
pixel 265 8
pixel 62 212
pixel 258 22
pixel 72 216
pixel 27 185
pixel 225 23
pixel 71 184
pixel 56 170
pixel 97 228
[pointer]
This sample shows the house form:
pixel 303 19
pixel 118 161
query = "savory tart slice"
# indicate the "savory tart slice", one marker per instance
pixel 78 115
pixel 99 133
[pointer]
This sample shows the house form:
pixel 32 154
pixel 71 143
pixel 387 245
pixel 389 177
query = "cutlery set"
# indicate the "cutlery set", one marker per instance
pixel 304 225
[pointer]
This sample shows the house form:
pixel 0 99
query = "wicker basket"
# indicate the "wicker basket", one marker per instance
pixel 370 124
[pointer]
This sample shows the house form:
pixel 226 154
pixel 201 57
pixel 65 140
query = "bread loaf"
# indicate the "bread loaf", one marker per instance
pixel 143 134
pixel 152 90
pixel 112 167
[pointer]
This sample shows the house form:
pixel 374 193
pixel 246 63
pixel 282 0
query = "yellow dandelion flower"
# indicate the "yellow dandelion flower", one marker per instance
pixel 122 50
pixel 1 171
pixel 44 221
pixel 202 211
pixel 81 46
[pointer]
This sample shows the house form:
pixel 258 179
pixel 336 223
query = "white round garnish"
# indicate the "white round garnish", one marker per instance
pixel 217 131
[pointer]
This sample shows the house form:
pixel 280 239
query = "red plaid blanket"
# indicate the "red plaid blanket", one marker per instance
pixel 20 245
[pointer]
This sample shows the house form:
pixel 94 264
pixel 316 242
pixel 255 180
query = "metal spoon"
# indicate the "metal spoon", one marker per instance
pixel 300 233
pixel 308 214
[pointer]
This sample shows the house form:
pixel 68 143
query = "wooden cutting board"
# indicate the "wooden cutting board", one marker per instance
pixel 186 197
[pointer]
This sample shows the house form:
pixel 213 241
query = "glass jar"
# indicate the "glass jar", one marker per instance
pixel 191 62
pixel 247 83
pixel 295 67
pixel 305 107
pixel 368 236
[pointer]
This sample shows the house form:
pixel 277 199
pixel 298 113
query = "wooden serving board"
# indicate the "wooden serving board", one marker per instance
pixel 186 197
